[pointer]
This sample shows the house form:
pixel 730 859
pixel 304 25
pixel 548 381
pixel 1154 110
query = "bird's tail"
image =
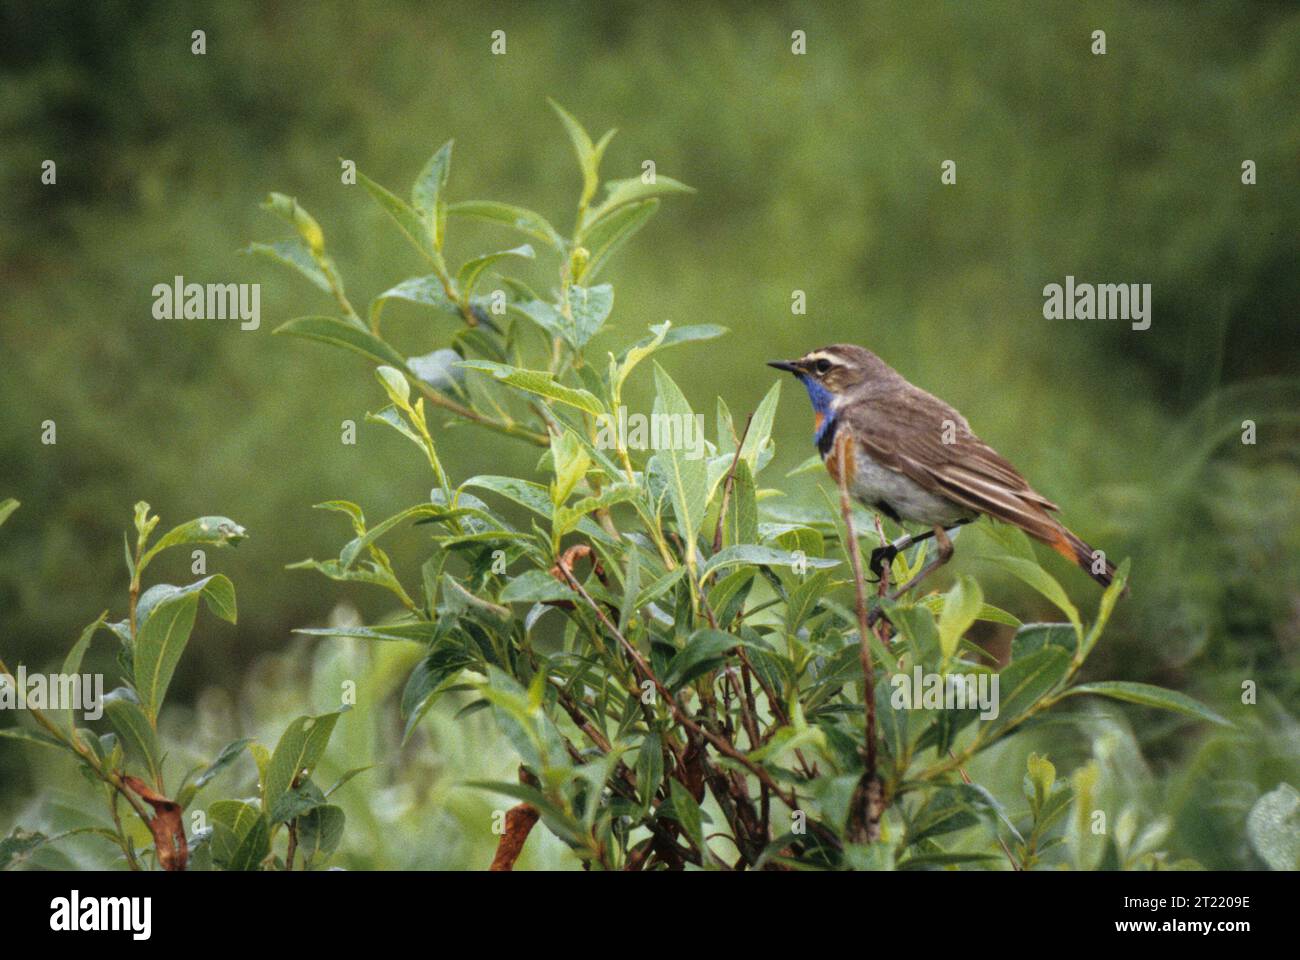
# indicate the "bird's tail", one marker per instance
pixel 1093 562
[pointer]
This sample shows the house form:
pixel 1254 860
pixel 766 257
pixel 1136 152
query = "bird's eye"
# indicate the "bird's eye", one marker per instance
pixel 822 366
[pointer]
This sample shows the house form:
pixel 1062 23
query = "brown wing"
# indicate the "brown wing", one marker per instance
pixel 905 430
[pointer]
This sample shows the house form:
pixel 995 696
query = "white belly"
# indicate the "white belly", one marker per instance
pixel 873 484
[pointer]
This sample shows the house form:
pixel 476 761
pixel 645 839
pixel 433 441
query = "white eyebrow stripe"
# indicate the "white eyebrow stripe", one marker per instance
pixel 822 355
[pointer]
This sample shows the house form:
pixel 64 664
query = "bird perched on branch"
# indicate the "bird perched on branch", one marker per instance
pixel 915 459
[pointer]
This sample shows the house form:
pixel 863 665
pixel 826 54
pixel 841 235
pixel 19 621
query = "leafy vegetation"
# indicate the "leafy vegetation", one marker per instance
pixel 129 764
pixel 1100 167
pixel 700 700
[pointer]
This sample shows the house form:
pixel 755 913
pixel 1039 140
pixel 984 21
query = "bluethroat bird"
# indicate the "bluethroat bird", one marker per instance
pixel 916 460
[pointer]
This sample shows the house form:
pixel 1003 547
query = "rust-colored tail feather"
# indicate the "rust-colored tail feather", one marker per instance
pixel 1077 551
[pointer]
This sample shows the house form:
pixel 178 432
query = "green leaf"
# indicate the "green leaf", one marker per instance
pixel 427 192
pixel 688 476
pixel 649 770
pixel 665 335
pixel 287 209
pixel 762 557
pixel 135 731
pixel 1273 826
pixel 533 496
pixel 620 369
pixel 567 517
pixel 961 607
pixel 473 269
pixel 523 721
pixel 296 802
pixel 687 813
pixel 611 232
pixel 760 429
pixel 1042 581
pixel 347 777
pixel 704 651
pixel 342 333
pixel 166 616
pixel 619 193
pixel 538 382
pixel 296 255
pixel 1024 682
pixel 428 681
pixel 523 220
pixel 590 308
pixel 31 736
pixel 253 848
pixel 353 548
pixel 1035 636
pixel 740 524
pixel 1105 607
pixel 571 463
pixel 300 748
pixel 72 662
pixel 588 155
pixel 1149 696
pixel 416 631
pixel 534 586
pixel 438 369
pixel 413 226
pixel 7 507
pixel 217 531
pixel 1039 780
pixel 427 291
pixel 228 755
pixel 233 821
pixel 320 832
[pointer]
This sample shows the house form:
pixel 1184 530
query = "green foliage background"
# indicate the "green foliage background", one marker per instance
pixel 817 173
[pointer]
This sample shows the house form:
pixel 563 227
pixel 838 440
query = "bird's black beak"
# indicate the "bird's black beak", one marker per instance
pixel 788 365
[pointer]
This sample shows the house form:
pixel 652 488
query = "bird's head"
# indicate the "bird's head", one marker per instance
pixel 831 372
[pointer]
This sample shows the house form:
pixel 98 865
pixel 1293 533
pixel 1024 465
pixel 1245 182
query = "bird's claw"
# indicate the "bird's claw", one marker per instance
pixel 879 557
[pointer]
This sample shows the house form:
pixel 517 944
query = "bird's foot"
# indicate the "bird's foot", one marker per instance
pixel 879 557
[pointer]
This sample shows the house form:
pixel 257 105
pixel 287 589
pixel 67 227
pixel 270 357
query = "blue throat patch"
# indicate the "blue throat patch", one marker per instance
pixel 821 400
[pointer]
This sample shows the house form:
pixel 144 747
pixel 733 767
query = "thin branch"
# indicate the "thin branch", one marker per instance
pixel 868 799
pixel 843 452
pixel 789 798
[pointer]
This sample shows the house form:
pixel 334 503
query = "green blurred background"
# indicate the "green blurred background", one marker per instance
pixel 817 173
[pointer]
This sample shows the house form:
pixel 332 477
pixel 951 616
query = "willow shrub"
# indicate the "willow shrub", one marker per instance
pixel 150 803
pixel 681 676
pixel 678 675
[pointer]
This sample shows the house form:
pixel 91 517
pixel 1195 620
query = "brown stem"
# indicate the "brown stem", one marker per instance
pixel 868 805
pixel 789 798
pixel 520 820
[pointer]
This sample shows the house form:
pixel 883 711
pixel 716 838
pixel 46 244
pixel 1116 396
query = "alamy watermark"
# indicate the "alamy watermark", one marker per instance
pixel 179 300
pixel 54 691
pixel 919 690
pixel 658 431
pixel 1099 301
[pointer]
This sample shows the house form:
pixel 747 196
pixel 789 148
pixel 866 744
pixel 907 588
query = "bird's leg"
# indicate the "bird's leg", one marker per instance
pixel 945 554
pixel 883 555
